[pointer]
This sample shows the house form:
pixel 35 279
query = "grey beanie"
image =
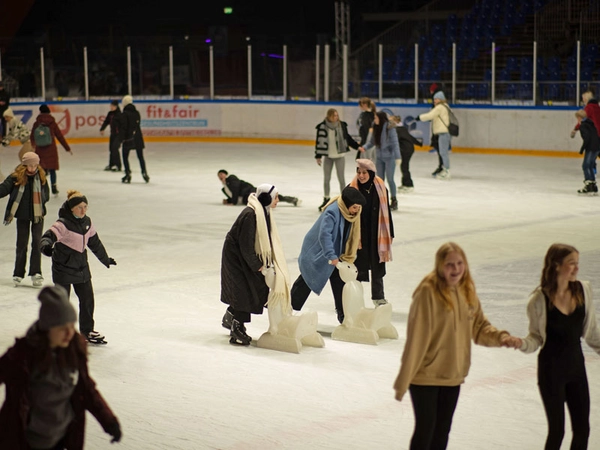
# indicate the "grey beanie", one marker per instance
pixel 56 310
pixel 352 196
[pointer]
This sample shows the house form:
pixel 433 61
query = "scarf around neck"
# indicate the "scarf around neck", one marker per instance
pixel 339 135
pixel 353 242
pixel 384 235
pixel 36 199
pixel 269 250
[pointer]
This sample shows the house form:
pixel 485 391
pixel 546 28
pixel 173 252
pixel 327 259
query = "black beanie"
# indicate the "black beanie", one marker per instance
pixel 44 108
pixel 56 310
pixel 352 196
pixel 76 200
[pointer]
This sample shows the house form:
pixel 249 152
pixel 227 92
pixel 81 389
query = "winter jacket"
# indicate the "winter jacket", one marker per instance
pixel 16 366
pixel 239 189
pixel 390 147
pixel 406 140
pixel 324 242
pixel 592 110
pixel 364 123
pixel 437 351
pixel 66 241
pixel 242 284
pixel 537 314
pixel 48 154
pixel 439 117
pixel 589 135
pixel 112 119
pixel 16 131
pixel 322 140
pixel 130 130
pixel 25 209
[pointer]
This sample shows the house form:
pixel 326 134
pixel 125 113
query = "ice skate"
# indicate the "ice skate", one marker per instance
pixel 325 201
pixel 437 171
pixel 405 189
pixel 380 302
pixel 93 337
pixel 145 177
pixel 589 188
pixel 238 334
pixel 443 175
pixel 296 202
pixel 37 280
pixel 17 280
pixel 227 320
pixel 127 178
pixel 394 205
pixel 55 189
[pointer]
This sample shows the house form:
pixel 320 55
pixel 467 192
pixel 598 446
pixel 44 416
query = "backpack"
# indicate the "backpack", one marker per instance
pixel 42 136
pixel 453 125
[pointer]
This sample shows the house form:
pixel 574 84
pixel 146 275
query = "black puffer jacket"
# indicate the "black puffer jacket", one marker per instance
pixel 66 241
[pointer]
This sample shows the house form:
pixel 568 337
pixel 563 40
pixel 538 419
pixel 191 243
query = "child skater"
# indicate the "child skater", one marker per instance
pixel 66 243
pixel 48 386
pixel 561 312
pixel 407 144
pixel 445 316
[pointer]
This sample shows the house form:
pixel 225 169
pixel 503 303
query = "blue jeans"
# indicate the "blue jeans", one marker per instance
pixel 444 147
pixel 589 163
pixel 386 169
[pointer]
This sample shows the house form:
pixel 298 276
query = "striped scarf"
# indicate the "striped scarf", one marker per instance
pixel 384 235
pixel 36 197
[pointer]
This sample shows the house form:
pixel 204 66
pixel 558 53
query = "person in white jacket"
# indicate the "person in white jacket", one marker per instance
pixel 440 119
pixel 16 130
pixel 561 312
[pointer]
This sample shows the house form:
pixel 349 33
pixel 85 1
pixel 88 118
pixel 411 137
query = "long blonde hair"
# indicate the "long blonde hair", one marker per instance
pixel 435 279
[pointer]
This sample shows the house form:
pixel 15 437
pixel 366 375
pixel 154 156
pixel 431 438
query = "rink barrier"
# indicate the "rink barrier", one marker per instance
pixel 310 143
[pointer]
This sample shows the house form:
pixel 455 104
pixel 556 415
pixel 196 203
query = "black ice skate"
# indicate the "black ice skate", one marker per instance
pixel 325 201
pixel 93 337
pixel 227 320
pixel 238 334
pixel 145 177
pixel 589 188
pixel 127 178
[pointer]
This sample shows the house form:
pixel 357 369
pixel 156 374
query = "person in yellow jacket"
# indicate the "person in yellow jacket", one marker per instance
pixel 445 315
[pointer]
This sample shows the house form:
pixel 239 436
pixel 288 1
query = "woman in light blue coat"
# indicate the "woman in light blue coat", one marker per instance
pixel 387 151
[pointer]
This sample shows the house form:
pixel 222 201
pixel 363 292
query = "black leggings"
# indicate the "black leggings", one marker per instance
pixel 434 408
pixel 576 395
pixel 300 291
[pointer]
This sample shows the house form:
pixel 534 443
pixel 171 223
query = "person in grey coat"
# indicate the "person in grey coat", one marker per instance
pixel 334 237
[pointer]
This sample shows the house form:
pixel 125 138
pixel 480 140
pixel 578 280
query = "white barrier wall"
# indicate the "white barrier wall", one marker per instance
pixel 480 127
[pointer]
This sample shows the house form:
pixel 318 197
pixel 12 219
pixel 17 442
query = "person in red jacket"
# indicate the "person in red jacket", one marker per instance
pixel 46 150
pixel 588 118
pixel 48 386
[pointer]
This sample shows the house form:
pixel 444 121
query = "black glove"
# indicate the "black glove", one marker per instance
pixel 417 119
pixel 114 430
pixel 46 250
pixel 111 262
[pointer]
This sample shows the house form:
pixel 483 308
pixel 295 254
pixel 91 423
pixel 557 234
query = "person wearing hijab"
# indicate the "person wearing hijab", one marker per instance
pixel 331 146
pixel 376 229
pixel 252 249
pixel 28 193
pixel 334 237
pixel 48 385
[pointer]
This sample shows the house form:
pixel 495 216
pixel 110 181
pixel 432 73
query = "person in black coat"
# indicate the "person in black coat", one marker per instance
pixel 376 229
pixel 132 137
pixel 27 180
pixel 112 120
pixel 66 243
pixel 407 147
pixel 365 121
pixel 237 191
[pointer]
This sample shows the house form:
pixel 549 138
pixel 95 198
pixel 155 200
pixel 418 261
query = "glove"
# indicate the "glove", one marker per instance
pixel 417 119
pixel 111 262
pixel 46 250
pixel 114 430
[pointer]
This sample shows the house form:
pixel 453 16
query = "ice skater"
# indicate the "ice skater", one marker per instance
pixel 66 243
pixel 113 120
pixel 252 246
pixel 334 237
pixel 132 138
pixel 440 119
pixel 48 385
pixel 444 317
pixel 588 123
pixel 407 144
pixel 561 312
pixel 237 191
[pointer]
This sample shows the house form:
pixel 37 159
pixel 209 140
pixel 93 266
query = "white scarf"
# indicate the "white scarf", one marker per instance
pixel 270 252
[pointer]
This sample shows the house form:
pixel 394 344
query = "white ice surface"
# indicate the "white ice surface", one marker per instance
pixel 175 382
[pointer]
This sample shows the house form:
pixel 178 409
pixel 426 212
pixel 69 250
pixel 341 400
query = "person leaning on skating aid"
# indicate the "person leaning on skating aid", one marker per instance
pixel 66 243
pixel 48 386
pixel 28 193
pixel 561 312
pixel 132 138
pixel 444 317
pixel 237 191
pixel 251 246
pixel 334 237
pixel 376 229
pixel 112 120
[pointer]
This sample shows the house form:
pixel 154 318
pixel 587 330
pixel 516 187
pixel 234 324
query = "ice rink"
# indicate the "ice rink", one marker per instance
pixel 175 382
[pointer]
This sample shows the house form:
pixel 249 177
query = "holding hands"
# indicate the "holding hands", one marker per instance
pixel 511 341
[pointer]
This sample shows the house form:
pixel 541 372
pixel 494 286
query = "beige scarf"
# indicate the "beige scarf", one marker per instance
pixel 270 252
pixel 353 242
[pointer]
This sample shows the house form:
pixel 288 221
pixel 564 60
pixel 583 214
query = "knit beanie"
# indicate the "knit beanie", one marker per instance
pixel 127 100
pixel 44 109
pixel 266 193
pixel 8 113
pixel 439 95
pixel 75 199
pixel 352 196
pixel 30 158
pixel 366 164
pixel 56 310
